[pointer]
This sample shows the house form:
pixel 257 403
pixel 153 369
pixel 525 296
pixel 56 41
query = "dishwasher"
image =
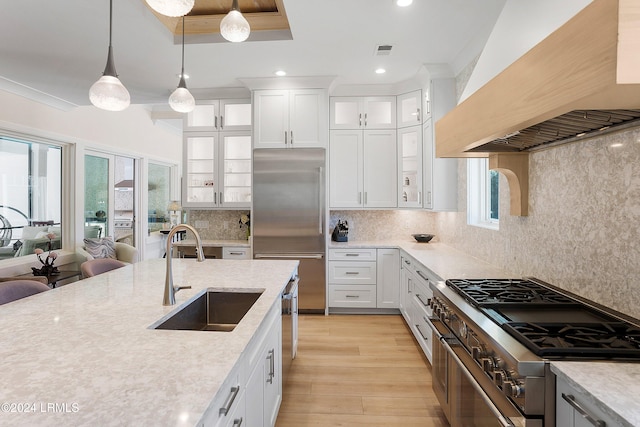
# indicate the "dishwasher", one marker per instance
pixel 289 326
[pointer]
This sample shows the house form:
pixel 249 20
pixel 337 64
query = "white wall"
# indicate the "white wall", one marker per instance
pixel 521 25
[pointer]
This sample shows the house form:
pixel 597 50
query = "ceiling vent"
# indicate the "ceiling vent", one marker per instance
pixel 383 50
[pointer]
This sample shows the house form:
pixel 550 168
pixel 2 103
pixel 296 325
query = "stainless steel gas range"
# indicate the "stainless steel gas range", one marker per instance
pixel 493 340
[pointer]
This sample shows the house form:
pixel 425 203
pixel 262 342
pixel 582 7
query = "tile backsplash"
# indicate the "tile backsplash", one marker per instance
pixel 221 224
pixel 385 224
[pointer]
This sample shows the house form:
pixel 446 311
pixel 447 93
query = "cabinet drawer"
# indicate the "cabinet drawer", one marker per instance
pixel 350 296
pixel 352 254
pixel 236 253
pixel 352 273
pixel 421 329
pixel 422 295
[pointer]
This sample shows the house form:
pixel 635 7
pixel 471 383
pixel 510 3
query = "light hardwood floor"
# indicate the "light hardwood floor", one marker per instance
pixel 354 370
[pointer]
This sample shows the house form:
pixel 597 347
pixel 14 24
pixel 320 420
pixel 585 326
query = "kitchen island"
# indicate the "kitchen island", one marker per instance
pixel 84 354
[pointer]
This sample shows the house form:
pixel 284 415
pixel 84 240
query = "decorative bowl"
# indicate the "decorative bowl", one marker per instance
pixel 423 238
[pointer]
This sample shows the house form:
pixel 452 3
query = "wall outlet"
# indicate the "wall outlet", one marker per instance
pixel 202 224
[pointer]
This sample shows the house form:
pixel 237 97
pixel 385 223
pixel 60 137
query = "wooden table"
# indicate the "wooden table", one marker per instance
pixel 52 279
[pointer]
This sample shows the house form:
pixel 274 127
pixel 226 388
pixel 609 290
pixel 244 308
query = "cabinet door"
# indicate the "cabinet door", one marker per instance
pixel 346 113
pixel 379 112
pixel 235 169
pixel 273 375
pixel 345 169
pixel 307 118
pixel 380 169
pixel 204 116
pixel 200 183
pixel 271 114
pixel 440 176
pixel 388 278
pixel 410 167
pixel 409 109
pixel 235 114
pixel 427 164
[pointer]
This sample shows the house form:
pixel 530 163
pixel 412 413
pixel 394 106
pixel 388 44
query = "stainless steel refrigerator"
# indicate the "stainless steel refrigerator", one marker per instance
pixel 288 219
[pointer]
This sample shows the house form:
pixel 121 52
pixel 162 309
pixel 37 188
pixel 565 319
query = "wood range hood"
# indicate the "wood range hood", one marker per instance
pixel 583 78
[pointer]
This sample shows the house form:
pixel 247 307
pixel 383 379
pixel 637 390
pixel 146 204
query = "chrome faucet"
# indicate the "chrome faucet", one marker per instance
pixel 169 289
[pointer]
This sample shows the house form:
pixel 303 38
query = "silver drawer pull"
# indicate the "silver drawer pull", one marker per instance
pixel 351 254
pixel 236 253
pixel 237 422
pixel 230 399
pixel 352 272
pixel 352 296
pixel 424 337
pixel 571 400
pixel 421 274
pixel 426 304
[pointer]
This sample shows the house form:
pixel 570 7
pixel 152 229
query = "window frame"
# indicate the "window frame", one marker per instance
pixel 479 194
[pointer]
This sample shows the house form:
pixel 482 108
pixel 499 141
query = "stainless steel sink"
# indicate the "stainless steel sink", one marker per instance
pixel 213 311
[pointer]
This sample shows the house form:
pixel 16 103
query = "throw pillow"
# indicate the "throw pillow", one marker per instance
pixel 100 248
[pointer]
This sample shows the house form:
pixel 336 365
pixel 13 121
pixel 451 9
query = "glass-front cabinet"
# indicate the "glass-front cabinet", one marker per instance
pixel 219 115
pixel 410 167
pixel 217 169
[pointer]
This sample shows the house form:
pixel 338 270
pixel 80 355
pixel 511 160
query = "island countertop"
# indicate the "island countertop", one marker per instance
pixel 83 354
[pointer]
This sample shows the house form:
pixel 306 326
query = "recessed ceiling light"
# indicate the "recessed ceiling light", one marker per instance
pixel 281 73
pixel 404 3
pixel 380 71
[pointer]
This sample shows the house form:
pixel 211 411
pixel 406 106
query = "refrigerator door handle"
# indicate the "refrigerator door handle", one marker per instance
pixel 320 201
pixel 288 256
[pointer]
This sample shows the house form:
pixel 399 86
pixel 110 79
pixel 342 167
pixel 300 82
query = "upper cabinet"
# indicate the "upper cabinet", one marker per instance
pixel 377 112
pixel 409 109
pixel 410 167
pixel 290 118
pixel 217 170
pixel 219 115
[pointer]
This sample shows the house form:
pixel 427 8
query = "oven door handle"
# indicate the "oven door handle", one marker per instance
pixel 501 418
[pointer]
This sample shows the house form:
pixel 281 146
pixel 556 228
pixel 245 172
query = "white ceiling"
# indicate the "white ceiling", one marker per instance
pixel 56 50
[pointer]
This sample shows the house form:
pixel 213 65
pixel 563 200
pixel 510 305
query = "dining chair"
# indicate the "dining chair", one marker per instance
pixel 12 290
pixel 93 267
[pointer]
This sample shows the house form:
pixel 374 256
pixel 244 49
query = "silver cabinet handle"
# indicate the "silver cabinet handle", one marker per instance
pixel 285 138
pixel 237 422
pixel 215 122
pixel 351 254
pixel 424 337
pixel 418 115
pixel 215 197
pixel 359 197
pixel 365 119
pixel 236 253
pixel 221 199
pixel 292 138
pixel 232 396
pixel 421 274
pixel 352 296
pixel 272 369
pixel 426 304
pixel 360 120
pixel 222 127
pixel 571 400
pixel 352 272
pixel 365 197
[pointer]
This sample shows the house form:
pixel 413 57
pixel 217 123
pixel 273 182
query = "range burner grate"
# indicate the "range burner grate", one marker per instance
pixel 602 340
pixel 491 293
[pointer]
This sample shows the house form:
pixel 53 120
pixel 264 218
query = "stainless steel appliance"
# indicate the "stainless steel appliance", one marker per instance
pixel 493 340
pixel 289 214
pixel 289 327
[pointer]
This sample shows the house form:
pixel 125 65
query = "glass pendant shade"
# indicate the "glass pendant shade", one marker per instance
pixel 234 27
pixel 108 93
pixel 182 101
pixel 171 7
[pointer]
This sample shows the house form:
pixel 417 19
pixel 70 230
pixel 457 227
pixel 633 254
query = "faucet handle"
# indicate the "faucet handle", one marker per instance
pixel 178 288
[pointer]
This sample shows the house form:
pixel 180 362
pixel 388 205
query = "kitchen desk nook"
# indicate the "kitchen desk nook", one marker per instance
pixel 87 353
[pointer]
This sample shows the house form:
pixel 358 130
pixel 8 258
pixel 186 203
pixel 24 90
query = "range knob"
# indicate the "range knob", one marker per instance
pixel 487 364
pixel 463 330
pixel 511 388
pixel 477 353
pixel 499 377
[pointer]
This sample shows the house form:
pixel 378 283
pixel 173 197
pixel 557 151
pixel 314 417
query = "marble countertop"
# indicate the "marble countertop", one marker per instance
pixel 214 243
pixel 444 261
pixel 87 349
pixel 611 387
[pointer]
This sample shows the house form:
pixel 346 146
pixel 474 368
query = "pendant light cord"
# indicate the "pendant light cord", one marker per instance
pixel 110 19
pixel 182 73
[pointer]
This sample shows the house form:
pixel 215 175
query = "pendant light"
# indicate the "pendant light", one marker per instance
pixel 181 99
pixel 108 93
pixel 234 27
pixel 172 8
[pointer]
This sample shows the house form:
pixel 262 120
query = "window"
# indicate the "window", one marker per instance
pixel 482 194
pixel 30 196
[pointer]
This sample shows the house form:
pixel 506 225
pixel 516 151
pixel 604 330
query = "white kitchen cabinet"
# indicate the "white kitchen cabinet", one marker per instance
pixel 410 160
pixel 363 169
pixel 229 404
pixel 236 252
pixel 440 176
pixel 377 112
pixel 264 383
pixel 574 408
pixel 217 169
pixel 409 109
pixel 388 278
pixel 364 278
pixel 219 115
pixel 290 118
